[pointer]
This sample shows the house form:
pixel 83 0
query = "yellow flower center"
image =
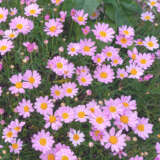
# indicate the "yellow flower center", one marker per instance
pixel 32 11
pixel 103 75
pixel 153 3
pixel 76 137
pixel 69 90
pixel 15 146
pixel 126 32
pixel 94 14
pixel 17 129
pixel 140 127
pixel 99 120
pixel 19 26
pixel 113 139
pixel 9 134
pixel 44 106
pixel 57 1
pixel 3 48
pixel 65 115
pixel 51 157
pixel 31 80
pixel 73 49
pixel 57 92
pixel 83 80
pixel 18 85
pixel 143 61
pixel 1 16
pixel 59 65
pixel 133 71
pixel 133 56
pixel 112 109
pixel 26 109
pixel 150 44
pixel 64 158
pixel 125 104
pixel 43 141
pixel 147 18
pixel 81 114
pixel 103 34
pixel 98 60
pixel 140 42
pixel 52 119
pixel 123 40
pixel 121 75
pixel 124 119
pixel 11 35
pixel 80 18
pixel 97 132
pixel 92 110
pixel 53 28
pixel 86 48
pixel 115 61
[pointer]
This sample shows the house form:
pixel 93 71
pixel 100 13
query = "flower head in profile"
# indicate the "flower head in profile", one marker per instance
pixel 57 2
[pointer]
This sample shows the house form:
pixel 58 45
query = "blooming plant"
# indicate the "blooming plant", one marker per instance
pixel 79 80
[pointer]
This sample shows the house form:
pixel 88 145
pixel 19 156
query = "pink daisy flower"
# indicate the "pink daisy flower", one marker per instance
pixel 127 119
pixel 42 141
pixel 69 70
pixel 157 147
pixel 57 92
pixel 43 105
pixel 13 11
pixel 73 49
pixel 10 34
pixel 144 60
pixel 92 107
pixel 52 121
pixel 96 134
pixel 21 24
pixel 16 125
pixel 16 146
pixel 66 114
pixel 116 60
pixel 147 16
pixel 99 120
pixel 25 108
pixel 49 155
pixel 139 42
pixel 18 84
pixel 103 32
pixel 82 70
pixel 112 108
pixel 98 58
pixel 32 79
pixel 104 74
pixel 32 10
pixel 70 89
pixel 53 27
pixel 109 52
pixel 30 46
pixel 115 141
pixel 65 154
pixel 128 103
pixel 84 79
pixel 5 46
pixel 87 47
pixel 151 43
pixel 120 154
pixel 133 53
pixel 63 15
pixel 126 31
pixel 57 2
pixel 80 113
pixel 123 41
pixel 134 71
pixel 86 30
pixel 152 3
pixel 80 17
pixel 3 14
pixel 143 128
pixel 94 15
pixel 121 73
pixel 76 137
pixel 136 158
pixel 58 65
pixel 9 134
